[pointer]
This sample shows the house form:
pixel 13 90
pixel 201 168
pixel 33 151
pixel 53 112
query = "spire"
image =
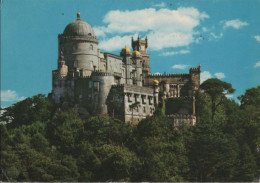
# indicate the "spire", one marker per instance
pixel 78 15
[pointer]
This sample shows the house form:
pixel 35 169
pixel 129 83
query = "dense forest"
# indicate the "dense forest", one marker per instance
pixel 41 141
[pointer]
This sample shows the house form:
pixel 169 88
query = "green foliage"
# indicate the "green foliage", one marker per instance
pixel 28 111
pixel 246 164
pixel 175 105
pixel 203 106
pixel 115 103
pixel 217 90
pixel 117 163
pixel 163 152
pixel 251 97
pixel 42 143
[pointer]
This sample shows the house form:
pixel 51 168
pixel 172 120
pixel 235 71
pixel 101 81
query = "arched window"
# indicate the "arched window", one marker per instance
pixel 91 47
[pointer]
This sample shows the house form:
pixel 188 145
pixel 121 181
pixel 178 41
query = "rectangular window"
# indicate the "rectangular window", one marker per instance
pixel 129 97
pixel 96 86
pixel 75 63
pixel 150 99
pixel 143 99
pixel 90 84
pixel 136 97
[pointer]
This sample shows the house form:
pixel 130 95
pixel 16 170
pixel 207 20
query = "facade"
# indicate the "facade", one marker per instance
pixel 119 86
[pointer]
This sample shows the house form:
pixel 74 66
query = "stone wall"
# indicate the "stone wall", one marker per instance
pixel 101 85
pixel 145 99
pixel 79 52
pixel 114 64
pixel 62 88
pixel 178 119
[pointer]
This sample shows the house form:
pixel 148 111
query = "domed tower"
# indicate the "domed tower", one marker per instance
pixel 79 46
pixel 138 74
pixel 126 55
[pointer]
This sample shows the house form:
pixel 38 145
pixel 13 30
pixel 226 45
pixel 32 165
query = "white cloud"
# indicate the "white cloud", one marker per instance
pixel 115 43
pixel 204 29
pixel 204 76
pixel 236 24
pixel 220 75
pixel 160 5
pixel 160 40
pixel 100 31
pixel 165 28
pixel 257 64
pixel 257 38
pixel 180 66
pixel 213 35
pixel 181 52
pixel 10 96
pixel 157 73
pixel 207 75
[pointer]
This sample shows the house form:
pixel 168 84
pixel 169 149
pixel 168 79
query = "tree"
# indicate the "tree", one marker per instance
pixel 65 130
pixel 217 90
pixel 251 97
pixel 212 154
pixel 114 102
pixel 250 119
pixel 132 107
pixel 117 163
pixel 203 108
pixel 162 152
pixel 101 130
pixel 247 165
pixel 37 108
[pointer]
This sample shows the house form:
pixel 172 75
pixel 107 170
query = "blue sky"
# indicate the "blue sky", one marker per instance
pixel 221 35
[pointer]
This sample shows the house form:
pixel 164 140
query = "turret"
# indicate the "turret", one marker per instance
pixel 126 55
pixel 137 59
pixel 63 69
pixel 195 77
pixel 141 46
pixel 156 92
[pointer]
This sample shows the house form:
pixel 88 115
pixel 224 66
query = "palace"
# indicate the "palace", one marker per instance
pixel 121 86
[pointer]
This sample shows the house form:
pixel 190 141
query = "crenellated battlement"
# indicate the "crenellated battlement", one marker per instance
pixel 101 73
pixel 166 75
pixel 84 77
pixel 195 69
pixel 118 86
pixel 181 116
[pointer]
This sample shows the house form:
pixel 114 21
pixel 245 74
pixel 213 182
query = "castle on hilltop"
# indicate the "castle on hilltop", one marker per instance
pixel 119 86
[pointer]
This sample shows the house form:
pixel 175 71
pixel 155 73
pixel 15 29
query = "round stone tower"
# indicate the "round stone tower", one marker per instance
pixel 79 46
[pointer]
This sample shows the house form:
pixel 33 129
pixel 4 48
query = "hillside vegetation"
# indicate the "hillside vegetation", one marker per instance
pixel 40 141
